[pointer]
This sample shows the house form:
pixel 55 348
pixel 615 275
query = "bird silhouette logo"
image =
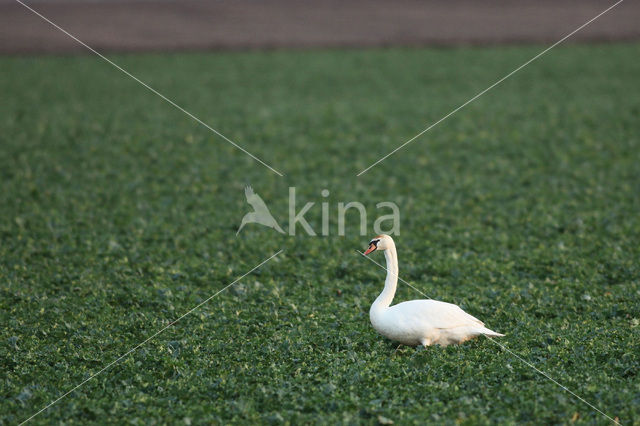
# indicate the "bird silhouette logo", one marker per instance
pixel 260 213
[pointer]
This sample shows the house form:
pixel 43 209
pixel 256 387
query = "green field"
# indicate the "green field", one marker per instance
pixel 118 214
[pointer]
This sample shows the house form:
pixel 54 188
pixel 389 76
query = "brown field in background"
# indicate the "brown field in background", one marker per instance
pixel 166 25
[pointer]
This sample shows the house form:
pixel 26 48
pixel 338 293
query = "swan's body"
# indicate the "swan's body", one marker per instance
pixel 418 322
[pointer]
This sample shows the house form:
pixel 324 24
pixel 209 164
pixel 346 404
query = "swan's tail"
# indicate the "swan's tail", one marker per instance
pixel 487 332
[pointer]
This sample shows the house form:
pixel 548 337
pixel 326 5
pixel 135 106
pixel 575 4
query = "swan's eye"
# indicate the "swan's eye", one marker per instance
pixel 374 242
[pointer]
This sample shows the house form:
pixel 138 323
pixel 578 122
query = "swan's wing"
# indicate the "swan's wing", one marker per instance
pixel 448 315
pixel 438 314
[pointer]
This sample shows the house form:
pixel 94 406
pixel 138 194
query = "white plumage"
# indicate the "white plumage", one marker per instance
pixel 418 322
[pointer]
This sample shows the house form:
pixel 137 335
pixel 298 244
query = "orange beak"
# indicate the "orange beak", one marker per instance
pixel 371 248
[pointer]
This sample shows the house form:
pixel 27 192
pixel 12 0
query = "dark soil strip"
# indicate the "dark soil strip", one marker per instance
pixel 244 24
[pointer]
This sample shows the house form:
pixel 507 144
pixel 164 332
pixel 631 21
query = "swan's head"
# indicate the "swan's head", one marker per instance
pixel 381 242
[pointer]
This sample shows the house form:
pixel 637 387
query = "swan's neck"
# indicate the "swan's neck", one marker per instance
pixel 391 282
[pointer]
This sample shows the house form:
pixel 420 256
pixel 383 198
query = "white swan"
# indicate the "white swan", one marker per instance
pixel 418 322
